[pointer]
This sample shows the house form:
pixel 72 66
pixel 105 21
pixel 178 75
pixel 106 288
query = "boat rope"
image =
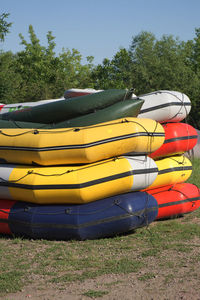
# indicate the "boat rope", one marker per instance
pixel 182 104
pixel 68 211
pixel 89 166
pixel 179 162
pixel 180 101
pixel 172 188
pixel 72 226
pixel 77 129
pixel 78 185
pixel 94 143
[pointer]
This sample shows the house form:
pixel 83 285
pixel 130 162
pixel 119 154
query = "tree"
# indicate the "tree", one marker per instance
pixel 150 64
pixel 167 64
pixel 9 79
pixel 144 62
pixel 115 73
pixel 46 75
pixel 71 73
pixel 196 52
pixel 194 60
pixel 4 26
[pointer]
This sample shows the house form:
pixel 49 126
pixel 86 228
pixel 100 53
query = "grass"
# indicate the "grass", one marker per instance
pixel 95 294
pixel 165 246
pixel 195 177
pixel 146 276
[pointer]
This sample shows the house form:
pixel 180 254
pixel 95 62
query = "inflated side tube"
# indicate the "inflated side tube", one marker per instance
pixel 6 108
pixel 175 200
pixel 171 170
pixel 128 108
pixel 25 125
pixel 179 138
pixel 71 93
pixel 63 110
pixel 80 145
pixel 165 106
pixel 76 184
pixel 74 92
pixel 99 219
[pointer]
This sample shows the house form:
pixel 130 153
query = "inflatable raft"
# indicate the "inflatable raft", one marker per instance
pixel 179 138
pixel 165 106
pixel 6 108
pixel 176 200
pixel 162 106
pixel 128 108
pixel 59 111
pixel 171 170
pixel 71 93
pixel 76 184
pixel 103 218
pixel 80 145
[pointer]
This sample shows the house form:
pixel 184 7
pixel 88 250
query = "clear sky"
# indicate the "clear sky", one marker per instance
pixel 98 27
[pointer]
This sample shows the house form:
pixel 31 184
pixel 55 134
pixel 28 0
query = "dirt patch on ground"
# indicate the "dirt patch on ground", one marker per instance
pixel 177 277
pixel 117 287
pixel 166 273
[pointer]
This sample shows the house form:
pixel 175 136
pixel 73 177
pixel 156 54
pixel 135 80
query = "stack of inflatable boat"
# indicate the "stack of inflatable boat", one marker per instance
pixel 88 167
pixel 174 196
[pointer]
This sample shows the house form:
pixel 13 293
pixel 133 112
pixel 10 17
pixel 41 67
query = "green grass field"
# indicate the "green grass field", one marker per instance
pixel 58 263
pixel 195 177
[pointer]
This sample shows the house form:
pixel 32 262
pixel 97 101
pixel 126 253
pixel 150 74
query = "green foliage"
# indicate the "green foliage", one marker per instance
pixel 144 62
pixel 148 65
pixel 37 73
pixel 10 81
pixel 196 51
pixel 37 66
pixel 46 75
pixel 4 26
pixel 116 73
pixel 151 64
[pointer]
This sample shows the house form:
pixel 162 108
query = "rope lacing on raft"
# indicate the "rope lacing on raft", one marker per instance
pixel 77 129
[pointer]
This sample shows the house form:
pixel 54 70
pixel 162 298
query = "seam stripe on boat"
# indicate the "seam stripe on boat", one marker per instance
pixel 81 185
pixel 185 168
pixel 164 105
pixel 181 138
pixel 179 202
pixel 92 144
pixel 70 226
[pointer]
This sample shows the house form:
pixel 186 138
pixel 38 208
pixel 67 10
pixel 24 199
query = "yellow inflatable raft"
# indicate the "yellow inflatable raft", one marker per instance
pixel 171 170
pixel 80 145
pixel 76 184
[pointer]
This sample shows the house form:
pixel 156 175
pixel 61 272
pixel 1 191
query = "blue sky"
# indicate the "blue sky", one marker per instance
pixel 98 27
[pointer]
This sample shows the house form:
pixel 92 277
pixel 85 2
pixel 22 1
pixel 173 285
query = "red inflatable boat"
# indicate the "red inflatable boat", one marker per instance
pixel 176 199
pixel 179 138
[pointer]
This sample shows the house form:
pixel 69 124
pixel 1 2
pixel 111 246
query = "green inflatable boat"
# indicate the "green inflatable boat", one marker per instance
pixel 128 108
pixel 67 109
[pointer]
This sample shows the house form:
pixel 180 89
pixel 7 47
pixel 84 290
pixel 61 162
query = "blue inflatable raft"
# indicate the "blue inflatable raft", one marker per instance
pixel 103 218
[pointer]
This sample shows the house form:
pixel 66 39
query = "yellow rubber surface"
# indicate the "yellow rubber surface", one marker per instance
pixel 77 184
pixel 171 170
pixel 80 145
